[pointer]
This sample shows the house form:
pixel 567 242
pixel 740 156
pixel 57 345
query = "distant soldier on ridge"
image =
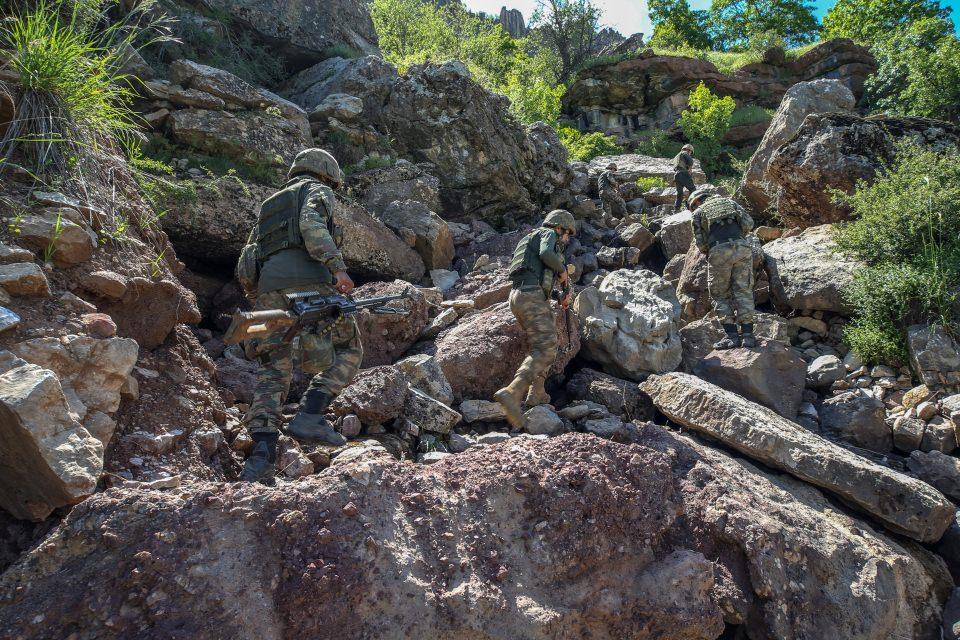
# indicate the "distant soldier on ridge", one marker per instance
pixel 682 179
pixel 608 188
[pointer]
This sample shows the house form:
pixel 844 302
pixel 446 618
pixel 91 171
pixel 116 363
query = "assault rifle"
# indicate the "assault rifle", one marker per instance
pixel 306 308
pixel 564 291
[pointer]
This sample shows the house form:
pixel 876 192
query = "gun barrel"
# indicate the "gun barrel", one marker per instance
pixel 379 302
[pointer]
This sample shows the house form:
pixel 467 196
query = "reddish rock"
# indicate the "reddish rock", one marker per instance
pixel 375 396
pixel 150 309
pixel 99 325
pixel 386 337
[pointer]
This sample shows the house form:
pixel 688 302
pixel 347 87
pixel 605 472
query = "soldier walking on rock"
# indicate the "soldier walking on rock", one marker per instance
pixel 607 186
pixel 294 248
pixel 682 166
pixel 537 263
pixel 720 227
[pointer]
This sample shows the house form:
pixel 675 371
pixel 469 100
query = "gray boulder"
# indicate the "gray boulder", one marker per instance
pixel 935 356
pixel 429 414
pixel 631 323
pixel 824 371
pixel 802 99
pixel 806 274
pixel 859 418
pixel 372 251
pixel 425 374
pixel 938 469
pixel 542 420
pixel 631 166
pixel 622 397
pixel 257 137
pixel 434 242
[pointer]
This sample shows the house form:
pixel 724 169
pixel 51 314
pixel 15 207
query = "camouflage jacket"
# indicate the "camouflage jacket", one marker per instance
pixel 607 181
pixel 717 208
pixel 683 161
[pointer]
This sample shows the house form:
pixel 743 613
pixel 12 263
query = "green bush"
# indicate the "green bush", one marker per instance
pixel 658 144
pixel 587 146
pixel 646 183
pixel 705 123
pixel 750 114
pixel 907 232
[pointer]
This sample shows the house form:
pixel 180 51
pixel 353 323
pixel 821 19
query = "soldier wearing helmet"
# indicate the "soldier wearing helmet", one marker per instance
pixel 720 227
pixel 608 188
pixel 297 249
pixel 537 262
pixel 682 166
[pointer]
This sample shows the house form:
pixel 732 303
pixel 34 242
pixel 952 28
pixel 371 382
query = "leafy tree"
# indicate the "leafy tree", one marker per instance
pixel 569 28
pixel 918 71
pixel 705 122
pixel 677 26
pixel 738 22
pixel 533 89
pixel 867 21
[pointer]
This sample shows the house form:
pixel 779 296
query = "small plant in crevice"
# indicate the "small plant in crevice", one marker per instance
pixel 51 247
pixel 587 146
pixel 646 183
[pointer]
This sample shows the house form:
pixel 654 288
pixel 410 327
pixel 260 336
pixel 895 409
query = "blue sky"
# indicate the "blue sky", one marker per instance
pixel 630 16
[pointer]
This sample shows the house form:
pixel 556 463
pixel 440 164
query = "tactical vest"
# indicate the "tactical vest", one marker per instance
pixel 281 251
pixel 682 162
pixel 723 223
pixel 527 271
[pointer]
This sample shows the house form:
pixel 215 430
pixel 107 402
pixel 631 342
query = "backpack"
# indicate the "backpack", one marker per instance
pixel 248 269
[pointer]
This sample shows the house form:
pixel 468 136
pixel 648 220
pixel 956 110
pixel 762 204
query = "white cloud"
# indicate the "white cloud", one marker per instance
pixel 626 16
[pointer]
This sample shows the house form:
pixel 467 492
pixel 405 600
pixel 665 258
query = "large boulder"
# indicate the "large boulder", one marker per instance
pixel 432 237
pixel 836 151
pixel 256 137
pixel 386 337
pixel 49 459
pixel 622 397
pixel 375 396
pixel 698 337
pixel 676 234
pixel 150 309
pixel 304 32
pixel 935 356
pixel 903 504
pixel 859 418
pixel 562 538
pixel 807 274
pixel 371 250
pixel 630 324
pixel 483 351
pixel 631 166
pixel 772 374
pixel 802 99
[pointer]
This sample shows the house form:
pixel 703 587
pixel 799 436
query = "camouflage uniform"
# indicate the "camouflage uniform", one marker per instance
pixel 682 165
pixel 333 355
pixel 729 256
pixel 613 202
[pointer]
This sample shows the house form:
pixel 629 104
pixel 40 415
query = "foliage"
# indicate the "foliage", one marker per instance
pixel 750 114
pixel 677 26
pixel 907 232
pixel 368 163
pixel 705 122
pixel 157 154
pixel 587 146
pixel 658 144
pixel 569 28
pixel 918 71
pixel 868 21
pixel 737 23
pixel 646 183
pixel 533 89
pixel 74 99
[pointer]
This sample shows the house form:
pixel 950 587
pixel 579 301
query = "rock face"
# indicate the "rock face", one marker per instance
pixel 631 324
pixel 49 459
pixel 938 469
pixel 935 356
pixel 149 310
pixel 802 99
pixel 512 22
pixel 372 251
pixel 649 91
pixel 305 31
pixel 433 240
pixel 482 352
pixel 386 337
pixel 772 374
pixel 430 115
pixel 833 152
pixel 805 273
pixel 903 504
pixel 535 543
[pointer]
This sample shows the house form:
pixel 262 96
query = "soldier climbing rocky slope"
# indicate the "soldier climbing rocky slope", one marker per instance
pixel 667 490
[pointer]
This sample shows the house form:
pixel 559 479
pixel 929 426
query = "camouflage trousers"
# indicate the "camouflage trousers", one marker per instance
pixel 730 280
pixel 613 203
pixel 682 180
pixel 535 314
pixel 332 357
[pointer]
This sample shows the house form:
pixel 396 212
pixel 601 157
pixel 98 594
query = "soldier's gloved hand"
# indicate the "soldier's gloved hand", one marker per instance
pixel 343 284
pixel 566 300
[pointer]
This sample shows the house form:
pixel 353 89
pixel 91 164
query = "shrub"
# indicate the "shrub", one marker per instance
pixel 750 114
pixel 907 232
pixel 587 146
pixel 705 122
pixel 658 144
pixel 646 183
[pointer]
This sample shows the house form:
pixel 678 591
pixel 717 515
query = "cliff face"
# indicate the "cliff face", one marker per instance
pixel 650 91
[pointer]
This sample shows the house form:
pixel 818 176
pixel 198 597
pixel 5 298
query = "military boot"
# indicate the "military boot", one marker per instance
pixel 537 394
pixel 509 399
pixel 748 340
pixel 732 341
pixel 310 425
pixel 261 465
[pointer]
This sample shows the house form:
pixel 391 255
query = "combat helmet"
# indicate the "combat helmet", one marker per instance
pixel 317 162
pixel 561 218
pixel 687 147
pixel 699 196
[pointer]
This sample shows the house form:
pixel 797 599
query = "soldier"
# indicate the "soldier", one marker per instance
pixel 720 226
pixel 297 249
pixel 607 185
pixel 537 262
pixel 683 165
